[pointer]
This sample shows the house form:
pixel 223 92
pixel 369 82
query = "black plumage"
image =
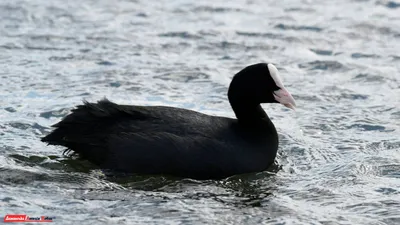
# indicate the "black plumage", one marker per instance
pixel 175 141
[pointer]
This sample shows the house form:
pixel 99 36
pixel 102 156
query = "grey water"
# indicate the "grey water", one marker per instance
pixel 339 154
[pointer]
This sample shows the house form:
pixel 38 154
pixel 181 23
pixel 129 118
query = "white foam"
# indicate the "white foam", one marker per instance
pixel 273 71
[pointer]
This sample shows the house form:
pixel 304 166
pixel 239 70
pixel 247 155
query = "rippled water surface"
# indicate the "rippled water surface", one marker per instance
pixel 339 152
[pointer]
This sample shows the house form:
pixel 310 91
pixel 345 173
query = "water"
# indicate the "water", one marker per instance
pixel 339 152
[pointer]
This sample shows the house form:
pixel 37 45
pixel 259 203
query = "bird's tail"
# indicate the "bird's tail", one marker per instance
pixel 83 131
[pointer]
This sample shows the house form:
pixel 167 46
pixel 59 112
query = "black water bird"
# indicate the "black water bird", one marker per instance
pixel 160 140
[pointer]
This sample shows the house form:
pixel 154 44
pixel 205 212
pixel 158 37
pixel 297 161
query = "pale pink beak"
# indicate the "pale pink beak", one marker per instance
pixel 285 98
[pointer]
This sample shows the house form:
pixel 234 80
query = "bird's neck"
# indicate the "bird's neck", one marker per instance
pixel 249 113
pixel 245 103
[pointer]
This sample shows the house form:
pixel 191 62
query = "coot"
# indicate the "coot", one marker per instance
pixel 180 142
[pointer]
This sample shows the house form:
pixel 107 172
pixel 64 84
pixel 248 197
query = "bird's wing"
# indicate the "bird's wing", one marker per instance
pixel 162 152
